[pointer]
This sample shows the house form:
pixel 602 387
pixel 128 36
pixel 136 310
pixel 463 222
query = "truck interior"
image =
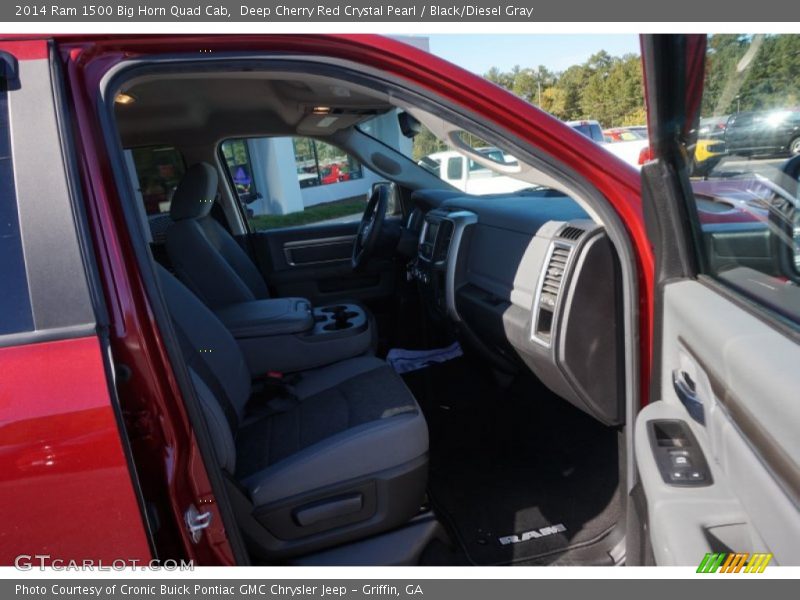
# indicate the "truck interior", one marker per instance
pixel 513 452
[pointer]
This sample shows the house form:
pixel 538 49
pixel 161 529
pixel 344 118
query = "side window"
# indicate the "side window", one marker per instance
pixel 237 158
pixel 15 303
pixel 292 181
pixel 745 172
pixel 158 170
pixel 455 167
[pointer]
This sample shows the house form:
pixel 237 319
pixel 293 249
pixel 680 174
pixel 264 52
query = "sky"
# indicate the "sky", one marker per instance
pixel 479 53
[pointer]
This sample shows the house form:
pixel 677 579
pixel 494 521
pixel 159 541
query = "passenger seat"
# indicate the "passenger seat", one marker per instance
pixel 339 455
pixel 204 255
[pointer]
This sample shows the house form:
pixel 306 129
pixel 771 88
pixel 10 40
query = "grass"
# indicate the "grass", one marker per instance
pixel 312 214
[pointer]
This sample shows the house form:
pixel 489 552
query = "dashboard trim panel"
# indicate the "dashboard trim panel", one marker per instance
pixel 461 220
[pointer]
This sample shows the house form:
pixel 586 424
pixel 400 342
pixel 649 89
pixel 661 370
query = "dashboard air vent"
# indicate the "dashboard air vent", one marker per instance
pixel 555 272
pixel 548 295
pixel 570 232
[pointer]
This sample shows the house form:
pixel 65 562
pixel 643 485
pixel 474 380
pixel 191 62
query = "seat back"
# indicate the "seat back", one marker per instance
pixel 215 362
pixel 202 252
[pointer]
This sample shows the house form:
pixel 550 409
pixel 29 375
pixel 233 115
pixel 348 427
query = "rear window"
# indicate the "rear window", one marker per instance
pixel 158 169
pixel 455 167
pixel 592 131
pixel 15 304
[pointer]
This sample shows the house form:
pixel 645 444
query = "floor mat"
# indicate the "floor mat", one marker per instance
pixel 518 474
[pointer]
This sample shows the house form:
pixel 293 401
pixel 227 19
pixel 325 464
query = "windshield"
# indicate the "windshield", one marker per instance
pixel 450 165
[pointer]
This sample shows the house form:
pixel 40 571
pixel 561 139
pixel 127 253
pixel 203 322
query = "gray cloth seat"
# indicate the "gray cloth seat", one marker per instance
pixel 204 255
pixel 209 261
pixel 340 455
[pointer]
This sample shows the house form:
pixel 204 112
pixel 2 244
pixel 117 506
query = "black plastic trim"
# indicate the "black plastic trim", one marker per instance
pixel 51 334
pixel 684 448
pixel 9 67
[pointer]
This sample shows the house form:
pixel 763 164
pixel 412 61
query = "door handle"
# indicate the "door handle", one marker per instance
pixel 686 389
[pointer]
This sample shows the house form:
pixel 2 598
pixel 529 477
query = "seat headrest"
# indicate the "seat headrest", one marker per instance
pixel 195 194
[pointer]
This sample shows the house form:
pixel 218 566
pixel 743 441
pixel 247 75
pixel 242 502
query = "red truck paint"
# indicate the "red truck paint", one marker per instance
pixel 65 486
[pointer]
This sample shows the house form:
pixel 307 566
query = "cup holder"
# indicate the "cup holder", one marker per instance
pixel 338 318
pixel 334 309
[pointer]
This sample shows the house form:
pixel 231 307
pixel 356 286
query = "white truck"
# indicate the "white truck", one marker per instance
pixel 468 176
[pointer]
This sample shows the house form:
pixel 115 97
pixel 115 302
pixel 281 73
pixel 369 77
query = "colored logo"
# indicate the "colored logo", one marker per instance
pixel 734 562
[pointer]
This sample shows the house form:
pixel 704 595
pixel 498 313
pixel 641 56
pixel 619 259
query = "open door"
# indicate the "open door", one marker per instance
pixel 718 447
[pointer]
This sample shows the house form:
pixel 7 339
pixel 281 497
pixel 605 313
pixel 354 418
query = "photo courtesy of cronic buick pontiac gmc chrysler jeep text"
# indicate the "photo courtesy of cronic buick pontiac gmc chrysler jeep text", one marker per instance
pixel 245 321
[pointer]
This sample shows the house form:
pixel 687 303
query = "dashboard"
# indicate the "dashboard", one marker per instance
pixel 531 282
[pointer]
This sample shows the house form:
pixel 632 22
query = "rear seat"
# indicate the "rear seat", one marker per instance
pixel 340 455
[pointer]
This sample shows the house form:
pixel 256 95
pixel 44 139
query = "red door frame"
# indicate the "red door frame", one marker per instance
pixel 176 461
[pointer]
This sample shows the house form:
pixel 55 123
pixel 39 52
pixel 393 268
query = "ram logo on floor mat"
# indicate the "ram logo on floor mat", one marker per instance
pixel 533 534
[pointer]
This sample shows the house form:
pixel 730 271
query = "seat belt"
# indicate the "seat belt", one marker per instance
pixel 271 396
pixel 195 362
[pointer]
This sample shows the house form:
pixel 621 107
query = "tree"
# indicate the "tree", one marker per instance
pixel 604 87
pixel 426 143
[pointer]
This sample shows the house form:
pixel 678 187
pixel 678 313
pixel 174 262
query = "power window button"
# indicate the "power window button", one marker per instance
pixel 678 475
pixel 680 459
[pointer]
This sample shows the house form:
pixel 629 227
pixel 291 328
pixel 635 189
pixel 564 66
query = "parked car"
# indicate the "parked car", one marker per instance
pixel 772 132
pixel 625 134
pixel 333 174
pixel 469 176
pixel 621 134
pixel 588 127
pixel 713 128
pixel 587 391
pixel 707 155
pixel 627 145
pixel 640 130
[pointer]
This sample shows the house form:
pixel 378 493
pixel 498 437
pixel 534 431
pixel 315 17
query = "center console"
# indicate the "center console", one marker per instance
pixel 288 334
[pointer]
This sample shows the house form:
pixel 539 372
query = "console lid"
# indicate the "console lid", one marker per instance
pixel 264 318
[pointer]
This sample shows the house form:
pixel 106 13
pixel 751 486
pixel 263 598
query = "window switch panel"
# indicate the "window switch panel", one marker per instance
pixel 678 455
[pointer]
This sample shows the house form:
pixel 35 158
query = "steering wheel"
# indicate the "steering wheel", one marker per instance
pixel 369 230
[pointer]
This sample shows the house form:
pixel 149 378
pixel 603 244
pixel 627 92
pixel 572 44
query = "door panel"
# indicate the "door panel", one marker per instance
pixel 314 262
pixel 727 340
pixel 745 377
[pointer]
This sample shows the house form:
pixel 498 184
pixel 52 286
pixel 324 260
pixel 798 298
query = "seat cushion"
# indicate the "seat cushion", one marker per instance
pixel 350 420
